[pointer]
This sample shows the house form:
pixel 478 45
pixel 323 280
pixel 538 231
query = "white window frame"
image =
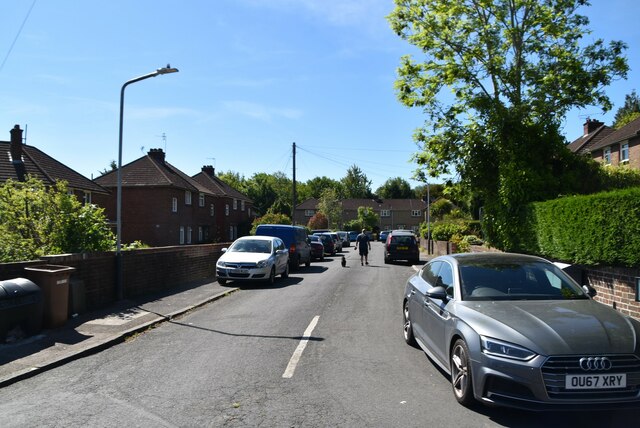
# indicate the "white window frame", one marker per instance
pixel 242 205
pixel 212 210
pixel 624 153
pixel 309 213
pixel 235 204
pixel 200 234
pixel 187 197
pixel 606 155
pixel 86 198
pixel 415 213
pixel 189 233
pixel 181 235
pixel 230 233
pixel 174 205
pixel 201 199
pixel 226 209
pixel 385 213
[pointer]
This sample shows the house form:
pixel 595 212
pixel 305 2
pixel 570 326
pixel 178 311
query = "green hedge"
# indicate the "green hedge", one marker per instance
pixel 602 228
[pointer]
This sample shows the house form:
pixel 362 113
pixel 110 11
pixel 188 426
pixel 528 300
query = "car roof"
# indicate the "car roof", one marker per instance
pixel 257 237
pixel 491 257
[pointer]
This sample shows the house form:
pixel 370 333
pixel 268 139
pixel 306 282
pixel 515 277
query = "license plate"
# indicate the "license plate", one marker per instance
pixel 240 271
pixel 402 248
pixel 596 381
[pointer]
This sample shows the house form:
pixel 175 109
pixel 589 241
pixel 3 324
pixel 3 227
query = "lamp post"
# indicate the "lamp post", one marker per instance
pixel 119 284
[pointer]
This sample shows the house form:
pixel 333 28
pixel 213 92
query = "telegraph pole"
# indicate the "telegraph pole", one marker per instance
pixel 293 206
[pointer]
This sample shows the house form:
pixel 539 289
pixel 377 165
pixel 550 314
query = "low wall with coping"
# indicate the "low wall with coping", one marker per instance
pixel 145 271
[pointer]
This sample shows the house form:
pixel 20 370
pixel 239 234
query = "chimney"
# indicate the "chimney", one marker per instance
pixel 157 155
pixel 16 144
pixel 209 170
pixel 591 125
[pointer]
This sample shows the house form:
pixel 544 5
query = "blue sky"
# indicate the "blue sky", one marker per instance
pixel 255 76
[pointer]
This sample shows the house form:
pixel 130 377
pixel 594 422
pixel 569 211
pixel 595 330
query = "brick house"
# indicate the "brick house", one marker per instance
pixel 236 209
pixel 393 213
pixel 610 146
pixel 18 161
pixel 161 205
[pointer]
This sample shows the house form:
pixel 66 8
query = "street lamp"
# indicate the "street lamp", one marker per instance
pixel 119 285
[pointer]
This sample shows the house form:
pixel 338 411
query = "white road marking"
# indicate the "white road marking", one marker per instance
pixel 295 358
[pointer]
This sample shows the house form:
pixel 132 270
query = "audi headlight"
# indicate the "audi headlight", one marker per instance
pixel 499 348
pixel 262 263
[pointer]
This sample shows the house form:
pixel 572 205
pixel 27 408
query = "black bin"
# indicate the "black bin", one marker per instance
pixel 21 305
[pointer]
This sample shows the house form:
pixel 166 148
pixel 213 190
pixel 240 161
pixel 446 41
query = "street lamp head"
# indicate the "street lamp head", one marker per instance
pixel 166 70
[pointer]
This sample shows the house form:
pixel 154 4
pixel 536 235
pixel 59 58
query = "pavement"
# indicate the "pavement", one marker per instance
pixel 88 333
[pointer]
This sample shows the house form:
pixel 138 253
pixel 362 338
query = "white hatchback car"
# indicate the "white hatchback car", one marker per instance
pixel 252 258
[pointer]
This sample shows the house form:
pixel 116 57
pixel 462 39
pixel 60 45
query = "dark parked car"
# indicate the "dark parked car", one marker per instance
pixel 328 242
pixel 317 248
pixel 515 330
pixel 401 245
pixel 295 239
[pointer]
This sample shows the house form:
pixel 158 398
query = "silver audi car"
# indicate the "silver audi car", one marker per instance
pixel 515 330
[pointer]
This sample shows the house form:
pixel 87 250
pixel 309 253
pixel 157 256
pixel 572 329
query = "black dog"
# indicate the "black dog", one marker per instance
pixel 344 262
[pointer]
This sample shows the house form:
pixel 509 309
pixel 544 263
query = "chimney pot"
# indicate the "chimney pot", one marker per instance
pixel 16 144
pixel 157 154
pixel 209 170
pixel 591 125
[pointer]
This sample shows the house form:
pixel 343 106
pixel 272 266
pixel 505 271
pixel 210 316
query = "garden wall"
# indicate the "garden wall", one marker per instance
pixel 145 271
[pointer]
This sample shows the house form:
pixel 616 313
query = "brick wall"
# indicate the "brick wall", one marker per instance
pixel 145 271
pixel 616 287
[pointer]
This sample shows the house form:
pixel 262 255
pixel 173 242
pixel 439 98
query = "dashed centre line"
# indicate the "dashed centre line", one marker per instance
pixel 295 358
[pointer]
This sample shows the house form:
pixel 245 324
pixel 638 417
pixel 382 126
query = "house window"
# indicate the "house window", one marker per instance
pixel 385 213
pixel 249 212
pixel 242 205
pixel 607 156
pixel 212 210
pixel 226 209
pixel 235 204
pixel 230 233
pixel 624 153
pixel 309 213
pixel 200 234
pixel 187 197
pixel 415 213
pixel 86 198
pixel 181 235
pixel 174 205
pixel 201 199
pixel 189 232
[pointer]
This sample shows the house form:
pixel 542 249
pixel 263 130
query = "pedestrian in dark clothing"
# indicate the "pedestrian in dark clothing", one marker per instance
pixel 364 244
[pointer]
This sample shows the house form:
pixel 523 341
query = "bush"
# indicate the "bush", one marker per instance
pixel 444 231
pixel 440 208
pixel 462 246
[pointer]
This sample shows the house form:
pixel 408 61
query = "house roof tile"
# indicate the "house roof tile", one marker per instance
pixel 586 143
pixel 151 171
pixel 38 164
pixel 218 187
pixel 630 130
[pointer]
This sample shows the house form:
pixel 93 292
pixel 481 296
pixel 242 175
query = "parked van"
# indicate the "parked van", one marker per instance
pixel 295 239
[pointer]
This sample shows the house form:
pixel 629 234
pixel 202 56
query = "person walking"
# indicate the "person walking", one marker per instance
pixel 364 244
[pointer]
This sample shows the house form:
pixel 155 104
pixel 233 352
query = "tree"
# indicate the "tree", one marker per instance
pixel 269 219
pixel 513 69
pixel 330 205
pixel 367 218
pixel 113 166
pixel 318 221
pixel 36 220
pixel 395 188
pixel 629 111
pixel 356 184
pixel 318 184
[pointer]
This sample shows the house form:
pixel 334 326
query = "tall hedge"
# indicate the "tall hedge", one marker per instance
pixel 602 228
